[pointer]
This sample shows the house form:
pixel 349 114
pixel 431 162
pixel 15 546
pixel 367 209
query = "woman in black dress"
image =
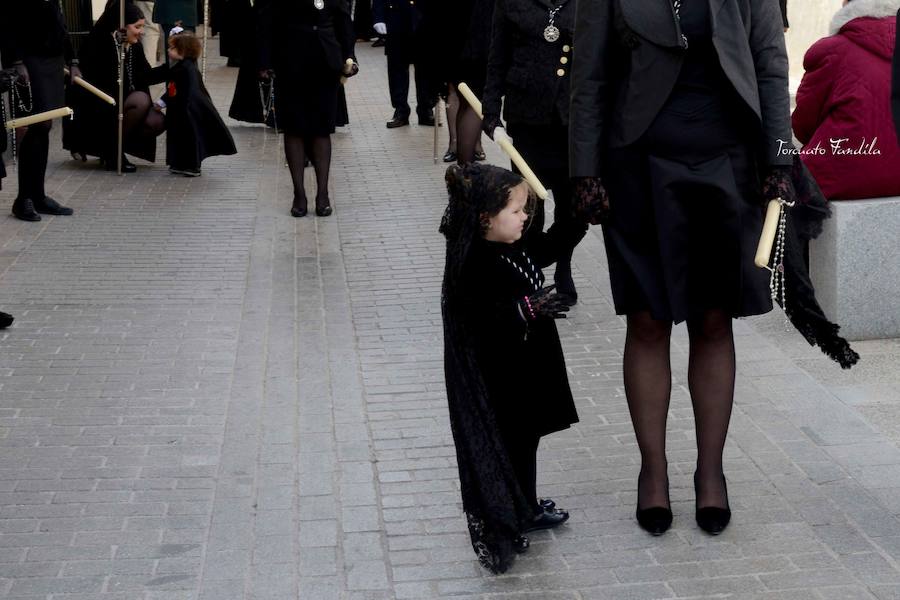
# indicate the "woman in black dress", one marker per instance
pixel 504 367
pixel 94 129
pixel 306 43
pixel 681 116
pixel 464 34
pixel 529 66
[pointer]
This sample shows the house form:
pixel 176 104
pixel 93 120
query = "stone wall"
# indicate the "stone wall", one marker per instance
pixel 809 21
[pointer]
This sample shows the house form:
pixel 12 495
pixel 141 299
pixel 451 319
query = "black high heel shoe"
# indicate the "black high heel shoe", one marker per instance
pixel 298 211
pixel 713 519
pixel 655 520
pixel 323 210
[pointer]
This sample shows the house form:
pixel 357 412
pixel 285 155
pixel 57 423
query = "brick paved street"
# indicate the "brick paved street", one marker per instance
pixel 205 399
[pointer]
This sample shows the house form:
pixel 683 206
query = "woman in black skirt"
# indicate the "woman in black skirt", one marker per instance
pixel 683 117
pixel 529 65
pixel 94 129
pixel 306 43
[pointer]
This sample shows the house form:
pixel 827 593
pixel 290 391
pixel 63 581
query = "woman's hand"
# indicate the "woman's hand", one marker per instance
pixel 778 184
pixel 590 202
pixel 21 72
pixel 351 68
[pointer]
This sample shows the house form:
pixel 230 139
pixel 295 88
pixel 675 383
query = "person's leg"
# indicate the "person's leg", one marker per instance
pixel 426 91
pixel 452 111
pixel 321 160
pixel 468 132
pixel 562 213
pixel 711 374
pixel 135 109
pixel 295 153
pixel 398 75
pixel 32 158
pixel 522 450
pixel 648 384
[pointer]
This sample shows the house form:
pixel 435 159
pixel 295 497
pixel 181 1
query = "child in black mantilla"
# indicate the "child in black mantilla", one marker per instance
pixel 503 362
pixel 194 129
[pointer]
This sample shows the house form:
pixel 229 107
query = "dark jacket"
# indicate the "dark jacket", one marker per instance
pixel 628 55
pixel 895 85
pixel 532 73
pixel 298 41
pixel 32 28
pixel 845 95
pixel 167 12
pixel 400 16
pixel 194 129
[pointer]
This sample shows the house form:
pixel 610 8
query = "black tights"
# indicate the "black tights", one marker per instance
pixel 318 149
pixel 453 102
pixel 140 119
pixel 468 132
pixel 33 150
pixel 648 384
pixel 522 449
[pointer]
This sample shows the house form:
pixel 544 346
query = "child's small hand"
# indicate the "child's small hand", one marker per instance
pixel 543 303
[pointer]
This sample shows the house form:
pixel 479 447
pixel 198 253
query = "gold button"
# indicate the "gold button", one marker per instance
pixel 566 48
pixel 561 72
pixel 563 60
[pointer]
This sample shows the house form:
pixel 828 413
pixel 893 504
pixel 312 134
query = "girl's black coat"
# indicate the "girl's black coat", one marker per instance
pixel 522 364
pixel 524 67
pixel 194 129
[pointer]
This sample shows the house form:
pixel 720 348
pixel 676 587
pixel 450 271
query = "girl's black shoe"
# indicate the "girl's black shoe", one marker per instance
pixel 548 519
pixel 323 211
pixel 521 544
pixel 655 520
pixel 297 210
pixel 713 519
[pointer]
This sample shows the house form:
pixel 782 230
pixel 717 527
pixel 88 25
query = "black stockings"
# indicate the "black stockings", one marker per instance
pixel 452 112
pixel 318 150
pixel 711 371
pixel 33 150
pixel 468 132
pixel 648 384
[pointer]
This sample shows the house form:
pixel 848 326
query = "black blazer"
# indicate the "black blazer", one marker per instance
pixel 532 73
pixel 628 54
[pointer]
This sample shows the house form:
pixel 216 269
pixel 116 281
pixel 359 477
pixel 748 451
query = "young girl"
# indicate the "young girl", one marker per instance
pixel 195 130
pixel 504 367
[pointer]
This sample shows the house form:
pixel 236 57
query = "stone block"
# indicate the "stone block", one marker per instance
pixel 854 268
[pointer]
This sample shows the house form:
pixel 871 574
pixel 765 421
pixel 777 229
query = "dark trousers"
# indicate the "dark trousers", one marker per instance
pixel 403 51
pixel 33 152
pixel 522 450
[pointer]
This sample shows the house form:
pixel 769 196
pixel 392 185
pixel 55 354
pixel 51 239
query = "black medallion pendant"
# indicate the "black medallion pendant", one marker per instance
pixel 551 33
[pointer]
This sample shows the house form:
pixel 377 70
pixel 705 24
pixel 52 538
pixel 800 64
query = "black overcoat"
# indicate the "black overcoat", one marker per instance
pixel 93 130
pixel 402 17
pixel 532 73
pixel 194 129
pixel 307 49
pixel 627 57
pixel 521 363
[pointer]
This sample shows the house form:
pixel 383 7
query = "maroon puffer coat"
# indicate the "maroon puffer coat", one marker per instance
pixel 843 115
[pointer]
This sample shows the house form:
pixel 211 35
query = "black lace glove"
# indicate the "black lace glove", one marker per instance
pixel 489 123
pixel 779 184
pixel 21 72
pixel 544 303
pixel 590 202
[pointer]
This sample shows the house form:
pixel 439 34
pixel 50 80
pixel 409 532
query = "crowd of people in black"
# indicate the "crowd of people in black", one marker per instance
pixel 664 123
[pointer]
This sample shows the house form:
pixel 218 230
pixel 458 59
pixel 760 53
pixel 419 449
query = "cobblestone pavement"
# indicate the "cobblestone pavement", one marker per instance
pixel 203 398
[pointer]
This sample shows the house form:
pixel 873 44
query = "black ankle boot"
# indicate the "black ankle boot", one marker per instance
pixel 655 520
pixel 712 519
